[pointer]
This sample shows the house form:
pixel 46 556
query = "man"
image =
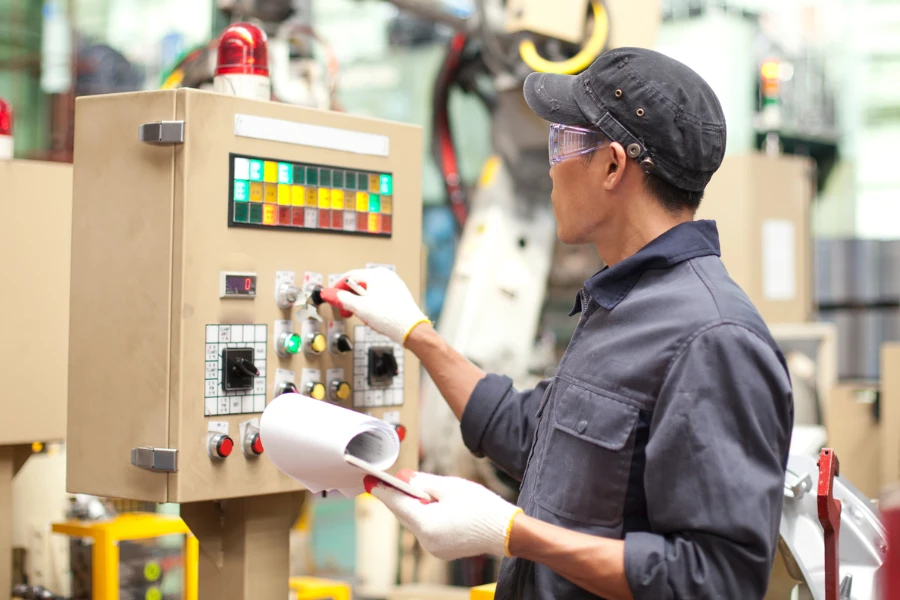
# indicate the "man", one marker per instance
pixel 652 465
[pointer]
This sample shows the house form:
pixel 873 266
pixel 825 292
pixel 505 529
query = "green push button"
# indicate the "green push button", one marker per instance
pixel 256 213
pixel 241 212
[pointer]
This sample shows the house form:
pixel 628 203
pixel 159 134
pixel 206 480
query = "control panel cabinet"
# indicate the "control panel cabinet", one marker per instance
pixel 34 242
pixel 204 227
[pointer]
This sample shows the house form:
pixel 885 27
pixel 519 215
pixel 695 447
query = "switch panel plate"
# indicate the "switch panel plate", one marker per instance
pixel 365 395
pixel 311 279
pixel 217 401
pixel 282 277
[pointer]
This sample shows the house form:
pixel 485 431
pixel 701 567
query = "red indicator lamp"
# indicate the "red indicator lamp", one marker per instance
pixel 6 130
pixel 242 62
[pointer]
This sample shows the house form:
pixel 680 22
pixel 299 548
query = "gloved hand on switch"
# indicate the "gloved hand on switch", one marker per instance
pixel 387 306
pixel 466 519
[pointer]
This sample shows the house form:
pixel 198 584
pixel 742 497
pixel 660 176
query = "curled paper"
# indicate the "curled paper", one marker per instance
pixel 307 440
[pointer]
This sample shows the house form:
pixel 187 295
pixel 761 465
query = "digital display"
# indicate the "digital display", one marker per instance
pixel 238 285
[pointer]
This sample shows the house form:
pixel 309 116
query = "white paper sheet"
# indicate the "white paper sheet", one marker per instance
pixel 307 440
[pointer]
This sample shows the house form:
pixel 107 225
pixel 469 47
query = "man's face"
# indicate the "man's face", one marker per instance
pixel 581 203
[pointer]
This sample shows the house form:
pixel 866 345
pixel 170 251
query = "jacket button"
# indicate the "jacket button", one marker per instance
pixel 582 426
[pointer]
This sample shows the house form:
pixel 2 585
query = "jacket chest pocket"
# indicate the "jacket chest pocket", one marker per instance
pixel 584 472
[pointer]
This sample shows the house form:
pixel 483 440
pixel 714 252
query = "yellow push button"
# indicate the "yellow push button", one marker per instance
pixel 315 343
pixel 340 391
pixel 315 390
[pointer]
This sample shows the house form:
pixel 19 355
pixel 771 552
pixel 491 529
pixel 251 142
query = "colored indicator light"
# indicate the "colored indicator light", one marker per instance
pixel 241 212
pixel 385 223
pixel 350 180
pixel 324 198
pixel 312 175
pixel 362 181
pixel 337 199
pixel 256 213
pixel 337 179
pixel 374 203
pixel 350 220
pixel 284 194
pixel 362 201
pixel 270 172
pixel 241 191
pixel 256 192
pixel 285 173
pixel 337 219
pixel 325 177
pixel 242 168
pixel 386 183
pixel 374 184
pixel 256 170
pixel 374 223
pixel 298 195
pixel 292 343
pixel 386 205
pixel 242 51
pixel 362 223
pixel 299 174
pixel 324 219
pixel 298 217
pixel 270 193
pixel 311 198
pixel 284 215
pixel 270 214
pixel 310 217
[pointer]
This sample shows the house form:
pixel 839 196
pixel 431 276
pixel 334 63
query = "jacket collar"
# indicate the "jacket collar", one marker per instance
pixel 683 242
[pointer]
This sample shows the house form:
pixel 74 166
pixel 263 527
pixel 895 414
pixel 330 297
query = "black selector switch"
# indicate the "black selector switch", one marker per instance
pixel 239 369
pixel 316 296
pixel 382 365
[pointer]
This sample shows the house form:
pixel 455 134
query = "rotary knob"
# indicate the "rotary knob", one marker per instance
pixel 339 391
pixel 314 344
pixel 314 389
pixel 252 444
pixel 220 446
pixel 287 295
pixel 341 343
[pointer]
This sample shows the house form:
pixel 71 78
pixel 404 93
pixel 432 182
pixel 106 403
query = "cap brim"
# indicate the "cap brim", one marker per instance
pixel 552 97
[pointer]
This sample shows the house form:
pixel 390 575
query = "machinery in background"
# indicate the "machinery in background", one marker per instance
pixel 35 230
pixel 195 303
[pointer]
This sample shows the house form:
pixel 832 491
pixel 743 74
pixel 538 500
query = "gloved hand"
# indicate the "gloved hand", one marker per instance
pixel 466 519
pixel 387 307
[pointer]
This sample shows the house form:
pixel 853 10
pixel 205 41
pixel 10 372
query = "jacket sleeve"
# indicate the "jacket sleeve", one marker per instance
pixel 715 467
pixel 499 422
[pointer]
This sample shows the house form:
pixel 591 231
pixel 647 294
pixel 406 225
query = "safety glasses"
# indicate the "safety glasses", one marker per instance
pixel 567 141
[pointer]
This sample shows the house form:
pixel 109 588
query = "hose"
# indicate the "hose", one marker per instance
pixel 529 54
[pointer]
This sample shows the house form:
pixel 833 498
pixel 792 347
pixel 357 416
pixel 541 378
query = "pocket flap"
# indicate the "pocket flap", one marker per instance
pixel 595 418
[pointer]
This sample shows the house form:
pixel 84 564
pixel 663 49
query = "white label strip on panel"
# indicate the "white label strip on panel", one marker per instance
pixel 778 260
pixel 304 134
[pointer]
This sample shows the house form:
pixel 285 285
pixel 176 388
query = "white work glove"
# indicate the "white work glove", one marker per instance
pixel 465 520
pixel 387 306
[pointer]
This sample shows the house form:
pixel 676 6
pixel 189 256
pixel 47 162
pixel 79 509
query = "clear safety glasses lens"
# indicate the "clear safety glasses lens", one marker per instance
pixel 567 141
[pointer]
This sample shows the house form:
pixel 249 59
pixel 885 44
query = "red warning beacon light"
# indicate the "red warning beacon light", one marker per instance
pixel 242 63
pixel 6 130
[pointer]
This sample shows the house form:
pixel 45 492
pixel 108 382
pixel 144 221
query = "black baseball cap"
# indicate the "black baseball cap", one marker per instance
pixel 661 111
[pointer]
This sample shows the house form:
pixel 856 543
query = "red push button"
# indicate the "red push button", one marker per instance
pixel 257 446
pixel 224 446
pixel 401 431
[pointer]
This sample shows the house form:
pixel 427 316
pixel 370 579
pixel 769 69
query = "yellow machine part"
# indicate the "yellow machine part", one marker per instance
pixel 529 54
pixel 483 592
pixel 313 588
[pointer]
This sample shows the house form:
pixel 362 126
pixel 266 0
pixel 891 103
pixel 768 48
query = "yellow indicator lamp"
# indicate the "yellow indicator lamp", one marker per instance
pixel 318 343
pixel 529 54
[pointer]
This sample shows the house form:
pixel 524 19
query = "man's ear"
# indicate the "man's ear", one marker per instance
pixel 616 164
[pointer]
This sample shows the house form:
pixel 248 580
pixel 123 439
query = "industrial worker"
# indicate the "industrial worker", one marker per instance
pixel 652 465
